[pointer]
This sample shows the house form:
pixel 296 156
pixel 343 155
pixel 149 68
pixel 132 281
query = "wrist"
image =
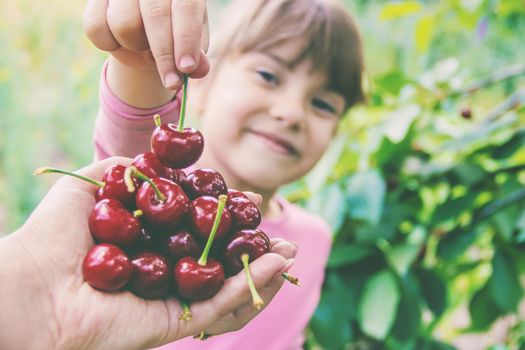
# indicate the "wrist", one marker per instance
pixel 23 324
pixel 137 87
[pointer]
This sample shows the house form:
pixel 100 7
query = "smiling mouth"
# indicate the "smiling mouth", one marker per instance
pixel 276 143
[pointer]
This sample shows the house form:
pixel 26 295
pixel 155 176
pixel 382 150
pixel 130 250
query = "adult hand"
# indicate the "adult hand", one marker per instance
pixel 171 35
pixel 46 304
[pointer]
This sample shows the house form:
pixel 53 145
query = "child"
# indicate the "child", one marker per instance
pixel 283 73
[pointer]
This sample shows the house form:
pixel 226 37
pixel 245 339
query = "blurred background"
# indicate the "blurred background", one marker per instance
pixel 424 186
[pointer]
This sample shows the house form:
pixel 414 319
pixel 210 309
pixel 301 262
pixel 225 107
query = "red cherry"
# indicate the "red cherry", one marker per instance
pixel 162 212
pixel 180 244
pixel 115 187
pixel 148 164
pixel 204 182
pixel 466 113
pixel 151 275
pixel 244 213
pixel 176 175
pixel 202 214
pixel 111 222
pixel 112 186
pixel 177 149
pixel 235 194
pixel 106 267
pixel 253 242
pixel 196 282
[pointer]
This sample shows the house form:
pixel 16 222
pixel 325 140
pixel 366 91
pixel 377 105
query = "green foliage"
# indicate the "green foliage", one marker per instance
pixel 427 207
pixel 434 203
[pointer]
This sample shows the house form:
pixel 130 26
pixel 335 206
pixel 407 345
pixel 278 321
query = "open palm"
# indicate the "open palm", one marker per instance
pixel 53 243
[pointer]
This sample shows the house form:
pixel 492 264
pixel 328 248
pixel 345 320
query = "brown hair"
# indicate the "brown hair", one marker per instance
pixel 331 38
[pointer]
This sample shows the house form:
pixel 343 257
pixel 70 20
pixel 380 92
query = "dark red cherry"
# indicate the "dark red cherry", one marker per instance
pixel 111 222
pixel 180 244
pixel 151 275
pixel 244 213
pixel 202 214
pixel 148 164
pixel 106 267
pixel 115 187
pixel 177 149
pixel 204 182
pixel 165 211
pixel 235 194
pixel 176 175
pixel 253 242
pixel 197 282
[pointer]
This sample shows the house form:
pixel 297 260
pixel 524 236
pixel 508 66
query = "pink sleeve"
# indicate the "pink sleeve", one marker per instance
pixel 123 130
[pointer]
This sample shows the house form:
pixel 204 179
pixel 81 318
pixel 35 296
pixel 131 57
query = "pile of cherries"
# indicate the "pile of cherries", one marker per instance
pixel 161 232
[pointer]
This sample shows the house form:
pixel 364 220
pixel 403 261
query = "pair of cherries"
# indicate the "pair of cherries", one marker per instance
pixel 151 221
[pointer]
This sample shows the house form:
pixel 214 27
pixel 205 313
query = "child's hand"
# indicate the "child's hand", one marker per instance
pixel 171 35
pixel 46 304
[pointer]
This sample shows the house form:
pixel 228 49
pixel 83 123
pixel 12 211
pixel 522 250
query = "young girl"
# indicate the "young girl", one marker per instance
pixel 283 73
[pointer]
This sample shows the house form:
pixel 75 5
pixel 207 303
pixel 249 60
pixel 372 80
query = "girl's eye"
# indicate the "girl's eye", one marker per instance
pixel 323 105
pixel 267 76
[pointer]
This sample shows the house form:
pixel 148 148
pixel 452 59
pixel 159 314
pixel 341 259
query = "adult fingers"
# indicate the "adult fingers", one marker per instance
pixel 94 171
pixel 156 15
pixel 189 19
pixel 96 26
pixel 125 21
pixel 232 295
pixel 286 249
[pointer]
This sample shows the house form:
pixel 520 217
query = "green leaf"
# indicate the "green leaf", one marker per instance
pixel 343 255
pixel 483 310
pixel 505 221
pixel 401 256
pixel 378 305
pixel 392 81
pixel 455 243
pixel 399 9
pixel 366 193
pixel 331 320
pixel 330 203
pixel 424 32
pixel 433 289
pixel 408 319
pixel 469 173
pixel 453 207
pixel 504 286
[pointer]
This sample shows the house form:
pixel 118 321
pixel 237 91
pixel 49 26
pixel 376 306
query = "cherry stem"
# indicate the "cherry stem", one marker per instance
pixel 220 208
pixel 139 175
pixel 257 300
pixel 47 170
pixel 183 104
pixel 186 312
pixel 291 279
pixel 138 213
pixel 158 121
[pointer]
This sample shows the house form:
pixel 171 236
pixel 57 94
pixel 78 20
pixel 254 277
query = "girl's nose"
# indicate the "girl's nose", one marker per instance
pixel 289 114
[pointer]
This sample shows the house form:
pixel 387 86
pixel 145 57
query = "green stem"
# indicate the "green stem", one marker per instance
pixel 186 312
pixel 158 121
pixel 46 170
pixel 220 208
pixel 139 175
pixel 183 105
pixel 257 300
pixel 291 279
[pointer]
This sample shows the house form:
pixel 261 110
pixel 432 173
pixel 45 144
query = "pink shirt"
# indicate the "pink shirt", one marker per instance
pixel 125 131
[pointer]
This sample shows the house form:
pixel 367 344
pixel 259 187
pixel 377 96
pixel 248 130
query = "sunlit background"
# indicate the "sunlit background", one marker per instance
pixel 424 186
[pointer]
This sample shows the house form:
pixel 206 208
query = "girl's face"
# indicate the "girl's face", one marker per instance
pixel 266 124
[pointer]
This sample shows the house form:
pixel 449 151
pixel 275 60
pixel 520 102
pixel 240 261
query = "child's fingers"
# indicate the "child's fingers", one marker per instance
pixel 125 22
pixel 202 69
pixel 156 15
pixel 96 26
pixel 189 21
